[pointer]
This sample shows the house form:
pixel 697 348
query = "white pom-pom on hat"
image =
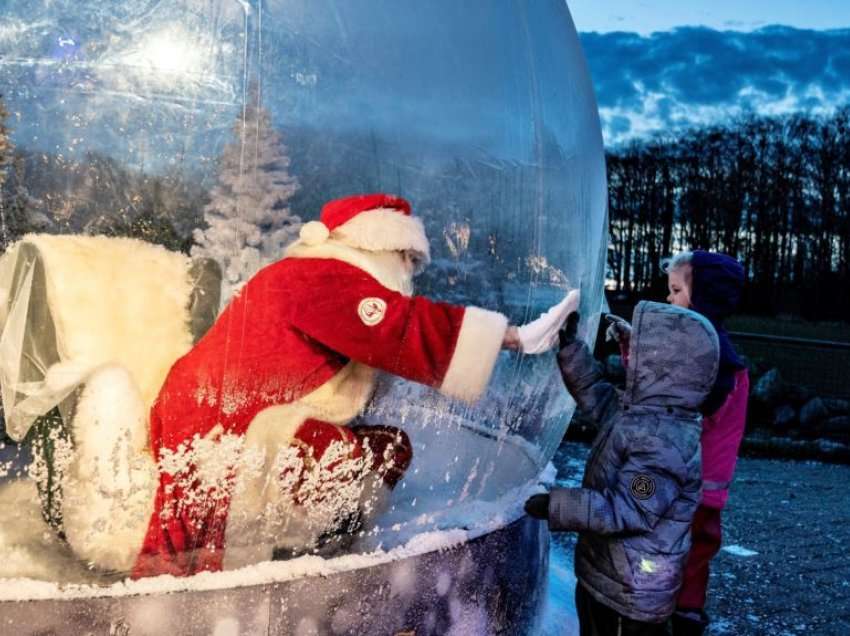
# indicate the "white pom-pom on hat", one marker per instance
pixel 371 222
pixel 314 233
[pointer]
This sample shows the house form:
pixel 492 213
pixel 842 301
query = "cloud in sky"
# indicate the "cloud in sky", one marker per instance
pixel 648 16
pixel 696 75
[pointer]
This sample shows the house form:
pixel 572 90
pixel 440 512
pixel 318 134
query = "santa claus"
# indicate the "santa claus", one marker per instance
pixel 249 434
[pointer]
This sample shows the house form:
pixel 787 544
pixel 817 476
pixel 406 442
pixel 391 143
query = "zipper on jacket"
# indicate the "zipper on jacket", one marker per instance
pixel 619 626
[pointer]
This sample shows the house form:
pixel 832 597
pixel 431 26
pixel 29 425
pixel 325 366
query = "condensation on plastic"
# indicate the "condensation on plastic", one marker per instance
pixel 27 354
pixel 481 114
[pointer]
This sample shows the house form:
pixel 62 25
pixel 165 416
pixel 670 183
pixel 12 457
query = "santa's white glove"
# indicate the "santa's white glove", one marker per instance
pixel 542 334
pixel 620 331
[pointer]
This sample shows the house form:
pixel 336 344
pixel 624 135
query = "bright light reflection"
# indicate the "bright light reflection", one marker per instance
pixel 171 51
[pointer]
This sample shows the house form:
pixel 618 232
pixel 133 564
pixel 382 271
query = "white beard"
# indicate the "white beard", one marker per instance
pixel 395 274
pixel 387 267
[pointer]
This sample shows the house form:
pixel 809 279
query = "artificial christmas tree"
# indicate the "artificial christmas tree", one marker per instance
pixel 249 221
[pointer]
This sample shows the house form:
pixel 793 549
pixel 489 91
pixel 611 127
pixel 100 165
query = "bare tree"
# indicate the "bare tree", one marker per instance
pixel 774 192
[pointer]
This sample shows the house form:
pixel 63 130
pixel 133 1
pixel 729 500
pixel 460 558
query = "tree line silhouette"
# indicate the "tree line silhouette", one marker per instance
pixel 772 191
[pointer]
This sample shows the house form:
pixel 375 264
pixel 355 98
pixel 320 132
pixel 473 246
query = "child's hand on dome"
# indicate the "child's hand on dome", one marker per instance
pixel 569 332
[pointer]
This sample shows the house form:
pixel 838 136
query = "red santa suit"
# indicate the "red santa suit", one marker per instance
pixel 287 365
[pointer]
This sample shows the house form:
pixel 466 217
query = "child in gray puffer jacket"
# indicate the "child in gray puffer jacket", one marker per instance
pixel 642 480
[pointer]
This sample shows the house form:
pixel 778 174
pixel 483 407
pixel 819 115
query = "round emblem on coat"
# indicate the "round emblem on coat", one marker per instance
pixel 643 487
pixel 372 311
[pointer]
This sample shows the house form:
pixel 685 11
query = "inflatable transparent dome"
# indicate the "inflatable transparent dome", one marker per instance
pixel 177 398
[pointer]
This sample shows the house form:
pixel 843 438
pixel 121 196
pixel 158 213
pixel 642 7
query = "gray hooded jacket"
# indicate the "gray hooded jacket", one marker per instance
pixel 642 480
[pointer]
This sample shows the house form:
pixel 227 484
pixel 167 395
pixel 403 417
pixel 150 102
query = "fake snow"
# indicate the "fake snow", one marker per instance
pixel 307 627
pixel 40 554
pixel 467 619
pixel 444 582
pixel 403 580
pixel 38 566
pixel 226 627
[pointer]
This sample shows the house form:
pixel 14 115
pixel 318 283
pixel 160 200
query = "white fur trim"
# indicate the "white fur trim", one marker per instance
pixel 110 478
pixel 385 267
pixel 342 397
pixel 314 233
pixel 118 300
pixel 385 229
pixel 479 342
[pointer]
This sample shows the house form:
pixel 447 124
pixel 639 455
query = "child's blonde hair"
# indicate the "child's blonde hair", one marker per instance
pixel 676 262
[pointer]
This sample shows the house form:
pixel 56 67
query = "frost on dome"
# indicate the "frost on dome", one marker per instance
pixel 209 472
pixel 186 144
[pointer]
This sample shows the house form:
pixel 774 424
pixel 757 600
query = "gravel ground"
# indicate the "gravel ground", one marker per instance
pixel 785 564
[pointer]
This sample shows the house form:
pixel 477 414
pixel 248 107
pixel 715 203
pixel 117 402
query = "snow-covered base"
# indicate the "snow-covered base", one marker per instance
pixel 439 583
pixel 469 568
pixel 419 519
pixel 35 565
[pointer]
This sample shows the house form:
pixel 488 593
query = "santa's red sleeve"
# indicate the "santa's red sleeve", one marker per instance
pixel 450 347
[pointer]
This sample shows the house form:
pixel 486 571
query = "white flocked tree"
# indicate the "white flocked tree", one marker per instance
pixel 248 220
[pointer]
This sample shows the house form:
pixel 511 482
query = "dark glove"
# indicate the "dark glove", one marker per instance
pixel 569 331
pixel 618 330
pixel 537 506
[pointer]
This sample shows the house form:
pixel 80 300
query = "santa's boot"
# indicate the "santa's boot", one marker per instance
pixel 386 453
pixel 390 450
pixel 341 482
pixel 324 479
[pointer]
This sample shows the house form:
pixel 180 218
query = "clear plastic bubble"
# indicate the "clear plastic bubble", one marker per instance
pixel 216 129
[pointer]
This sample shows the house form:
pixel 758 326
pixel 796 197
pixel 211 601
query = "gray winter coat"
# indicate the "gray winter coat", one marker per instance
pixel 642 480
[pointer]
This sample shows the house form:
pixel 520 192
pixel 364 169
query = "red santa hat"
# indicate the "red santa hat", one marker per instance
pixel 372 222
